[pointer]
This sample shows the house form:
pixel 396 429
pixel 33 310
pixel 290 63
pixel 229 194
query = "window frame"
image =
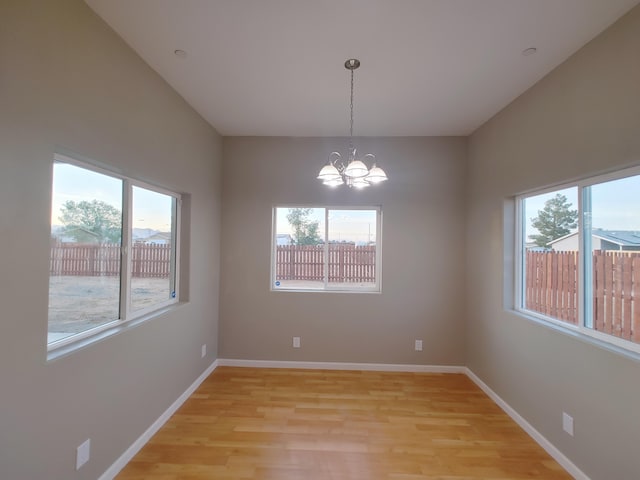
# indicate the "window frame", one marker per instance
pixel 127 315
pixel 584 275
pixel 376 288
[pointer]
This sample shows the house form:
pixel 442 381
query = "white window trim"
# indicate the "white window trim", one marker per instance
pixel 327 288
pixel 127 315
pixel 602 340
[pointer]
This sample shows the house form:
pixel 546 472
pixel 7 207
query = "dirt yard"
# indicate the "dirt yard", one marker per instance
pixel 77 304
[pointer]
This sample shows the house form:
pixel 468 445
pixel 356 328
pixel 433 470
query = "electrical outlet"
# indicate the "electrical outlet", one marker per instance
pixel 418 345
pixel 567 423
pixel 203 351
pixel 296 342
pixel 83 452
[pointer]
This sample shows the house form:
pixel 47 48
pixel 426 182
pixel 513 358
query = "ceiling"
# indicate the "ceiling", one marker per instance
pixel 429 67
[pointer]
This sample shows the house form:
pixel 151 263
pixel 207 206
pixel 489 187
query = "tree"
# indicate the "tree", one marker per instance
pixel 305 231
pixel 555 220
pixel 94 221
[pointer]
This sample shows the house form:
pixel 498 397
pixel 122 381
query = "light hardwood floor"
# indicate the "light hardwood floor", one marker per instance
pixel 248 423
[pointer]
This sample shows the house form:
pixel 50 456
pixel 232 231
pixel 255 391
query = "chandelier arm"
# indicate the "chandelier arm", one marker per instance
pixel 373 157
pixel 336 160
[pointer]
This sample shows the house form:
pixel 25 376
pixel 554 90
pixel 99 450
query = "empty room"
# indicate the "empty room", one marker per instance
pixel 341 239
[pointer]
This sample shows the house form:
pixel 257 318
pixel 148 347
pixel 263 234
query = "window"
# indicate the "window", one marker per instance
pixel 579 257
pixel 113 250
pixel 318 248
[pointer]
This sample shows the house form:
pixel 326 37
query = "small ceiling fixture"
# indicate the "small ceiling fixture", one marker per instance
pixel 180 53
pixel 354 172
pixel 529 51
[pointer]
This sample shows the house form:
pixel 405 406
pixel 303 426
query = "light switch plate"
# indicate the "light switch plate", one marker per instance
pixel 567 423
pixel 83 452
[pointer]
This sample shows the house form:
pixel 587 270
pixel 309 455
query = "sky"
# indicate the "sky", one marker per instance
pixel 344 225
pixel 150 209
pixel 615 204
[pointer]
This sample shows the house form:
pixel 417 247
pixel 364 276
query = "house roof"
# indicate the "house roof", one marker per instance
pixel 159 236
pixel 624 238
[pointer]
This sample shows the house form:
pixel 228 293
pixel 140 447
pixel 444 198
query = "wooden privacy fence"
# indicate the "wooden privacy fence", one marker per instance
pixel 347 262
pixel 551 284
pixel 551 280
pixel 94 260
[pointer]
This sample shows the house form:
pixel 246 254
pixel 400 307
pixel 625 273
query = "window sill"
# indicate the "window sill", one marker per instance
pixel 574 332
pixel 55 352
pixel 323 290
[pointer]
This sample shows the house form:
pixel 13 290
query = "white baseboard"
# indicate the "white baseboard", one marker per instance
pixel 380 367
pixel 551 449
pixel 120 463
pixel 130 452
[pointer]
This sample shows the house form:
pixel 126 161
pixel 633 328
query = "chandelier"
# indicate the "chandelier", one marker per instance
pixel 354 172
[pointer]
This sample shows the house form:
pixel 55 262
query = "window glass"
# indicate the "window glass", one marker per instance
pixel 86 236
pixel 352 248
pixel 317 248
pixel 551 247
pixel 299 248
pixel 613 209
pixel 153 249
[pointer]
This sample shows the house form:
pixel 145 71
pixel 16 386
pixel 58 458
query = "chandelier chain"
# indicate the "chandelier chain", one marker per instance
pixel 351 126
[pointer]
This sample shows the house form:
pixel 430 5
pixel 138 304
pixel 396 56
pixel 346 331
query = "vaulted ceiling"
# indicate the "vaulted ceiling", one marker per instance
pixel 429 67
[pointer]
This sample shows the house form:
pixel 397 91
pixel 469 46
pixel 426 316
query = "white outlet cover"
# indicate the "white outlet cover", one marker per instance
pixel 296 342
pixel 83 453
pixel 567 423
pixel 418 345
pixel 204 350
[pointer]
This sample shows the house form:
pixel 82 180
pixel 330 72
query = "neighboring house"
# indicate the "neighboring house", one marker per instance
pixel 158 238
pixel 63 235
pixel 150 236
pixel 621 240
pixel 141 234
pixel 536 248
pixel 284 239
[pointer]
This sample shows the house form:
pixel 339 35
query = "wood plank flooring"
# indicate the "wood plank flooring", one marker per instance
pixel 281 424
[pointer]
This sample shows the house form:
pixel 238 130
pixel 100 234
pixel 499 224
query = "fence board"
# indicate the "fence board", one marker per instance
pixel 553 293
pixel 572 313
pixel 546 275
pixel 626 314
pixel 608 290
pixel 616 319
pixel 563 286
pixel 598 288
pixel 635 304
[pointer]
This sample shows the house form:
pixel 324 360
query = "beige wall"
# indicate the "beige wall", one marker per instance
pixel 581 119
pixel 68 82
pixel 422 254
